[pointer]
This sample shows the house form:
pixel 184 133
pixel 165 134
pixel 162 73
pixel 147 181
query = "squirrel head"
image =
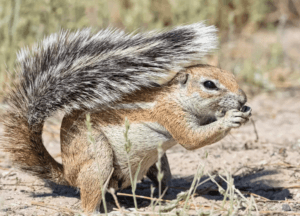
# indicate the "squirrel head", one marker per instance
pixel 208 92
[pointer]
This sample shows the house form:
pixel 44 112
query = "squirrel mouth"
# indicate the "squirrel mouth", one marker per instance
pixel 222 112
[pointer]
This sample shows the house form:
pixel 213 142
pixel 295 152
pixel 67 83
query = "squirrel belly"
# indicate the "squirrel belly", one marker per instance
pixel 151 78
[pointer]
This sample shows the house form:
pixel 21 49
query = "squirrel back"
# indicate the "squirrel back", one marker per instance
pixel 84 71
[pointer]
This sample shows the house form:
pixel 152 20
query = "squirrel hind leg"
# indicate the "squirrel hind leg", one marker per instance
pixel 95 176
pixel 93 179
pixel 165 169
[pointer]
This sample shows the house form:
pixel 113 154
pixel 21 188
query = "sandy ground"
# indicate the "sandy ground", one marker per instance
pixel 264 163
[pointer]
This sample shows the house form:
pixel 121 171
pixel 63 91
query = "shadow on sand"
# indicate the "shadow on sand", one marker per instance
pixel 258 182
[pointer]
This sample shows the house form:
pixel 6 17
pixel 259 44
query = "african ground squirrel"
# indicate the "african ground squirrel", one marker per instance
pixel 154 79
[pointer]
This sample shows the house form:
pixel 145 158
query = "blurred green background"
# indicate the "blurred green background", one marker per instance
pixel 252 32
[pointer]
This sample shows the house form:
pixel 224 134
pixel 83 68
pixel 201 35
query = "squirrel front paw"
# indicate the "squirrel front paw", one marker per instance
pixel 235 118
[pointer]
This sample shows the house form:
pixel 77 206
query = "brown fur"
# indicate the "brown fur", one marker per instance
pixel 173 109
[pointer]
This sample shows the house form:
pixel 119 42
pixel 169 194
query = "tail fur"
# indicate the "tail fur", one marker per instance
pixel 81 70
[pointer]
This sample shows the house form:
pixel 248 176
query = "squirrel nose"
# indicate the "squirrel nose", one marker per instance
pixel 242 97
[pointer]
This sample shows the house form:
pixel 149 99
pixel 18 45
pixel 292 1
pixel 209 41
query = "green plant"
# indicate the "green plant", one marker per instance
pixel 128 146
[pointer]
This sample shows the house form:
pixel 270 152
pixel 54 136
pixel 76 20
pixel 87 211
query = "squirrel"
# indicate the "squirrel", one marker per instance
pixel 153 79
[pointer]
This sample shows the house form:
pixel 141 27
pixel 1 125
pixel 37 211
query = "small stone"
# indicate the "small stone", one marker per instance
pixel 286 207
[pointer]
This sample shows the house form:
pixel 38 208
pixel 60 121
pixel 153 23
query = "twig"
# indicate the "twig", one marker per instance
pixel 255 131
pixel 283 164
pixel 286 165
pixel 290 201
pixel 255 195
pixel 20 184
pixel 246 192
pixel 55 207
pixel 255 205
pixel 162 195
pixel 198 192
pixel 156 199
pixel 112 192
pixel 143 197
pixel 108 179
pixel 279 212
pixel 291 187
pixel 145 213
pixel 279 201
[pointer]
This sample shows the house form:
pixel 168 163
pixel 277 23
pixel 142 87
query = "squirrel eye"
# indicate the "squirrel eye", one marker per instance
pixel 209 85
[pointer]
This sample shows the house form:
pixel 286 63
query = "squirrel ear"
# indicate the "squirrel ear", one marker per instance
pixel 183 78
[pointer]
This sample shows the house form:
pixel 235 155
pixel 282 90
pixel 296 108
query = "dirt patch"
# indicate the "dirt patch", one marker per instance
pixel 264 163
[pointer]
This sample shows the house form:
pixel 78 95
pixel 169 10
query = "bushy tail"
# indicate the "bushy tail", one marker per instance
pixel 82 70
pixel 27 150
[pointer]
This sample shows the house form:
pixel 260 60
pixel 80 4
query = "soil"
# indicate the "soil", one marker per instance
pixel 262 157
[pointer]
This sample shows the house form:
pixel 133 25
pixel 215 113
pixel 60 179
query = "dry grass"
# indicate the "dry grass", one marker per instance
pixel 23 23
